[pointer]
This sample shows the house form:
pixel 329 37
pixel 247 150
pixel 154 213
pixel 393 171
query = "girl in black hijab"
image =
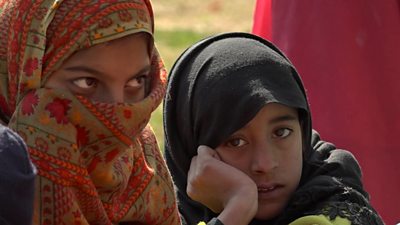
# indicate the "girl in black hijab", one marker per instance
pixel 240 145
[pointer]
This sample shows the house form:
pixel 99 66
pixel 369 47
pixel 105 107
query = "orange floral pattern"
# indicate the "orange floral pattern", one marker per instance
pixel 98 163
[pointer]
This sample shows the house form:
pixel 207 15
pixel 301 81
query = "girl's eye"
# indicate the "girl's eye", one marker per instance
pixel 282 133
pixel 138 81
pixel 85 82
pixel 236 142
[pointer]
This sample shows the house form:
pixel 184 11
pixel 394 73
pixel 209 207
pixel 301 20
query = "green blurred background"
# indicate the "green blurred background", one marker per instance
pixel 180 23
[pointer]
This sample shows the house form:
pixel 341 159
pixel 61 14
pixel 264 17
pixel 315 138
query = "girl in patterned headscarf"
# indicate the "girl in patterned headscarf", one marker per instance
pixel 78 81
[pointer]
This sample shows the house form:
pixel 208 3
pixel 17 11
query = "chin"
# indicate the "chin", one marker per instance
pixel 268 211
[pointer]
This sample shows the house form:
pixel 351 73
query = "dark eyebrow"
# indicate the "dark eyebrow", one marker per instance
pixel 90 70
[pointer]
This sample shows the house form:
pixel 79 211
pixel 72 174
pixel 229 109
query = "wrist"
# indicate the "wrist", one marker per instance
pixel 240 209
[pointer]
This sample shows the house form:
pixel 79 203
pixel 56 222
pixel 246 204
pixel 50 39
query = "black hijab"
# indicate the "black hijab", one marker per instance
pixel 216 87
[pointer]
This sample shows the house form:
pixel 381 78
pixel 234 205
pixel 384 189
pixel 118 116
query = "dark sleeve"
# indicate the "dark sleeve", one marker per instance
pixel 17 176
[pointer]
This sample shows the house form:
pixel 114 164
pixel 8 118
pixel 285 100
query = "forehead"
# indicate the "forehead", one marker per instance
pixel 137 40
pixel 279 108
pixel 273 113
pixel 148 38
pixel 119 59
pixel 132 47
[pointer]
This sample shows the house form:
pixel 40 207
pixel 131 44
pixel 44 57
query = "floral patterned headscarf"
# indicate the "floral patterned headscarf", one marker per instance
pixel 98 163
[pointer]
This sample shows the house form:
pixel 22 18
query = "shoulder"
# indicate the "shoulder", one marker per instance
pixel 320 220
pixel 10 138
pixel 14 155
pixel 17 179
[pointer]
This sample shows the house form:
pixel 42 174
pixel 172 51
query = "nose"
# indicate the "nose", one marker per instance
pixel 264 159
pixel 114 95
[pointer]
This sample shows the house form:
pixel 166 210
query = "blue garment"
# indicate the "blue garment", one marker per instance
pixel 17 177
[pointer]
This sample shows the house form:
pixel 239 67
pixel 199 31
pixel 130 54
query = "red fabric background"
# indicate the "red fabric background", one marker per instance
pixel 348 54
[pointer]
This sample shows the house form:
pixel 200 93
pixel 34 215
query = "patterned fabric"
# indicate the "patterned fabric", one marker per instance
pixel 98 163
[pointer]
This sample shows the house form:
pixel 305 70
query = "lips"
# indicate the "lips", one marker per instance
pixel 269 191
pixel 266 189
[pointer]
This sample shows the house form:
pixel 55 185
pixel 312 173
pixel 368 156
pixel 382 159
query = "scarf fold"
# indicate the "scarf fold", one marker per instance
pixel 216 87
pixel 98 163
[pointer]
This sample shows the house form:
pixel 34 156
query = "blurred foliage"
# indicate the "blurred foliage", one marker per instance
pixel 171 43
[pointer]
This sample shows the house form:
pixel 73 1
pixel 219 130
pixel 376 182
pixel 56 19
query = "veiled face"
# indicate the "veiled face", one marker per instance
pixel 269 150
pixel 116 71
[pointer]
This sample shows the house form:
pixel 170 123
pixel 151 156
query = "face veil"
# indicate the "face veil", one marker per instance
pixel 98 163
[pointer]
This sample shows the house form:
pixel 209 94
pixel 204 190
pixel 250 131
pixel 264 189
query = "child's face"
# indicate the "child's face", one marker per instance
pixel 116 71
pixel 269 150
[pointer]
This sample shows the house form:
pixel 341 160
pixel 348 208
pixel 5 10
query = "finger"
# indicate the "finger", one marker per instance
pixel 204 150
pixel 193 165
pixel 191 178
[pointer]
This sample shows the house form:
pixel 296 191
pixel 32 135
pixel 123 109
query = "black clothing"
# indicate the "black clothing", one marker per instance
pixel 216 87
pixel 17 176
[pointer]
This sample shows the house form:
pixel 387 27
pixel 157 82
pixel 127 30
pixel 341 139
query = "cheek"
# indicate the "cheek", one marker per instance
pixel 292 158
pixel 296 162
pixel 298 152
pixel 54 81
pixel 135 96
pixel 236 159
